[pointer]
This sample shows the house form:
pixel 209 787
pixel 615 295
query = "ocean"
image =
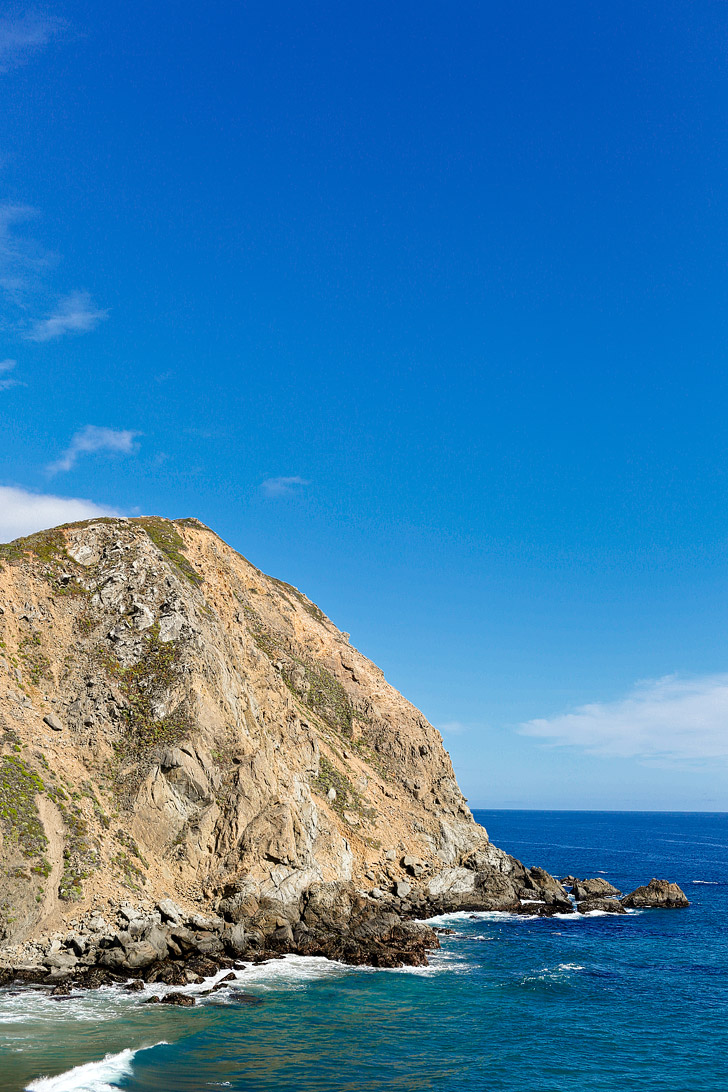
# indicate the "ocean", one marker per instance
pixel 595 1002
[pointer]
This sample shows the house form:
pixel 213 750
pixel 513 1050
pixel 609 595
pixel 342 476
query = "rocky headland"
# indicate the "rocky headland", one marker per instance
pixel 197 768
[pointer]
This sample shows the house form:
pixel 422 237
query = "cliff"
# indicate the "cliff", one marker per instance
pixel 175 724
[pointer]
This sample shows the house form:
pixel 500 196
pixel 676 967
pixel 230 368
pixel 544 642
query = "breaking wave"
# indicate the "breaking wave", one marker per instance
pixel 103 1076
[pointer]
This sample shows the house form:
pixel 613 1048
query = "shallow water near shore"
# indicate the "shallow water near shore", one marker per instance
pixel 604 1001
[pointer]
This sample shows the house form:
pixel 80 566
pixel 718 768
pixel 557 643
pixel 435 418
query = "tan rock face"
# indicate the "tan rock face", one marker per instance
pixel 174 722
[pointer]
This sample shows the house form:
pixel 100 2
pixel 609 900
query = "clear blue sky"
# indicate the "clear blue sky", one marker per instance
pixel 422 307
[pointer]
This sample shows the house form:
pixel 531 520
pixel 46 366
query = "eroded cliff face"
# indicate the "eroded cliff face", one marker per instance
pixel 175 723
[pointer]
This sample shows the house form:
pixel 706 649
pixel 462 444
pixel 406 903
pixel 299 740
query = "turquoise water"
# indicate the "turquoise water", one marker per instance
pixel 598 1002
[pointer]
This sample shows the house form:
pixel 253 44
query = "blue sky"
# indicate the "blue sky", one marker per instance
pixel 423 311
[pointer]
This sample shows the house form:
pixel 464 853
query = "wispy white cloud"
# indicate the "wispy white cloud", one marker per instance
pixel 670 720
pixel 24 33
pixel 7 380
pixel 92 439
pixel 22 512
pixel 282 487
pixel 22 259
pixel 452 728
pixel 74 314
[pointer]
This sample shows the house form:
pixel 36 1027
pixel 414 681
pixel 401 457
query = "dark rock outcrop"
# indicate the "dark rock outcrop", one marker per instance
pixel 593 889
pixel 606 905
pixel 657 894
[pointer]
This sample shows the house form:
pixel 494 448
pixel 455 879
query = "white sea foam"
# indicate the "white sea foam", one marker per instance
pixel 441 961
pixel 560 973
pixel 292 972
pixel 103 1076
pixel 710 883
pixel 29 1006
pixel 478 915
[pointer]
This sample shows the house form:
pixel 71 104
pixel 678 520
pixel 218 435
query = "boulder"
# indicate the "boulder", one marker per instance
pixel 97 924
pixel 234 939
pixel 183 1000
pixel 129 913
pixel 132 957
pixel 157 938
pixel 53 722
pixel 414 866
pixel 546 886
pixel 207 944
pixel 76 944
pixel 61 961
pixel 593 889
pixel 658 894
pixel 283 935
pixel 182 938
pixel 199 921
pixel 170 911
pixel 607 905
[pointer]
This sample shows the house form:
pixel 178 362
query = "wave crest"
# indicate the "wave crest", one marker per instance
pixel 103 1076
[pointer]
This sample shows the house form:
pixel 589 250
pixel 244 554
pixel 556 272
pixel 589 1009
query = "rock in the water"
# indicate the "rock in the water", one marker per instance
pixel 181 999
pixel 605 905
pixel 657 894
pixel 547 887
pixel 593 889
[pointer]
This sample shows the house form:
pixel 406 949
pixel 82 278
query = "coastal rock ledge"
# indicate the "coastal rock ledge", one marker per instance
pixel 197 767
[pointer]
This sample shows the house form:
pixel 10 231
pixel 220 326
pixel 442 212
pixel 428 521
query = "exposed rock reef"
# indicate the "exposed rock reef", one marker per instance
pixel 658 894
pixel 196 766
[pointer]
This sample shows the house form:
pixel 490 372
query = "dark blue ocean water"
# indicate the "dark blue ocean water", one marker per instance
pixel 590 1002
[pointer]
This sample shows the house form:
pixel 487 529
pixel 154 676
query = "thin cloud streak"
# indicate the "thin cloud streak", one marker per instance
pixel 282 487
pixel 22 260
pixel 452 728
pixel 666 721
pixel 7 381
pixel 75 314
pixel 24 34
pixel 22 512
pixel 92 439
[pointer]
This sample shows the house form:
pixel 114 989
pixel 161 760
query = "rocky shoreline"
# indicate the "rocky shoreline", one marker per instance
pixel 184 733
pixel 165 944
